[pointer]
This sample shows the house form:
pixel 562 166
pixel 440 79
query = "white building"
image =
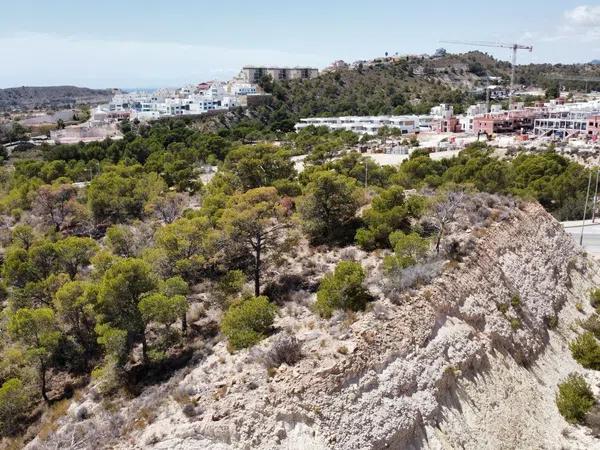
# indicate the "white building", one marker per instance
pixel 563 123
pixel 477 109
pixel 179 102
pixel 564 120
pixel 442 111
pixel 467 120
pixel 238 88
pixel 363 125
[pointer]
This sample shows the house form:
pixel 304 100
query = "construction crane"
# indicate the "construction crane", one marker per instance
pixel 514 48
pixel 587 80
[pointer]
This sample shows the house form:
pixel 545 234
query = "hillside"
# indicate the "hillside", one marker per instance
pixel 404 86
pixel 141 308
pixel 441 366
pixel 26 98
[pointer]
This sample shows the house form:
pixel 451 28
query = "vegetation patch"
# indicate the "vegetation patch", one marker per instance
pixel 574 398
pixel 247 321
pixel 343 289
pixel 586 351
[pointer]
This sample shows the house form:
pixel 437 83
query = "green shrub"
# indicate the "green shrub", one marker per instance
pixel 366 238
pixel 230 284
pixel 409 249
pixel 515 301
pixel 586 351
pixel 574 398
pixel 342 289
pixel 247 321
pixel 13 402
pixel 515 323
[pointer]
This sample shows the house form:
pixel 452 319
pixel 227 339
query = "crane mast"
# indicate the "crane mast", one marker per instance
pixel 513 47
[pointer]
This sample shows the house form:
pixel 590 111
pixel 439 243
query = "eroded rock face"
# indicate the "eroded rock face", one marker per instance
pixel 408 373
pixel 395 382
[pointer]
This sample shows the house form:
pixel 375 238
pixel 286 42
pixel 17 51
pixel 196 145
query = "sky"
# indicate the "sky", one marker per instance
pixel 155 43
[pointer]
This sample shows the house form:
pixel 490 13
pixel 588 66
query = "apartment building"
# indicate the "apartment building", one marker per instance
pixel 206 98
pixel 253 74
pixel 442 111
pixel 363 125
pixel 562 124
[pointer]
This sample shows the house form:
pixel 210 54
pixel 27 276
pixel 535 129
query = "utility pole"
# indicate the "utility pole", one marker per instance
pixel 512 76
pixel 585 208
pixel 595 197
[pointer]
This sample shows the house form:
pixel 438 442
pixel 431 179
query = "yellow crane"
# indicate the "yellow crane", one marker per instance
pixel 514 48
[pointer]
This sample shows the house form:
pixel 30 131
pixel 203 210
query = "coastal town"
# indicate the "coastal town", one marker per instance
pixel 570 119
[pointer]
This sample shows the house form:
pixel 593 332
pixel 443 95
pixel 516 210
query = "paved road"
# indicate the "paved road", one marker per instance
pixel 591 235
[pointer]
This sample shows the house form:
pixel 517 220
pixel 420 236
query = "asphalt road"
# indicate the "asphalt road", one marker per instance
pixel 591 235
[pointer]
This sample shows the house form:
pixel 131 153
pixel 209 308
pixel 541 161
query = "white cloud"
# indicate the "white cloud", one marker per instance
pixel 47 59
pixel 584 16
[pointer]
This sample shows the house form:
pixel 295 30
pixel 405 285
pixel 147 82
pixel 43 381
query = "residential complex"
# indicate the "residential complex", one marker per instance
pixel 568 120
pixel 555 119
pixel 253 74
pixel 205 97
pixel 364 125
pixel 187 100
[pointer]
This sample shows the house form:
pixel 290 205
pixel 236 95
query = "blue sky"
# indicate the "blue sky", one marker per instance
pixel 151 43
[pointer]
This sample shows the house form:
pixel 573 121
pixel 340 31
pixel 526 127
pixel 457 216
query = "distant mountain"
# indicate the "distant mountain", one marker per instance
pixel 24 98
pixel 595 61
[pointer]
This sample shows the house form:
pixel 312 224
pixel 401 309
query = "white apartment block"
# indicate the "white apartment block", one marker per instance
pixel 477 109
pixel 363 125
pixel 442 111
pixel 467 120
pixel 165 102
pixel 241 88
pixel 562 123
pixel 563 120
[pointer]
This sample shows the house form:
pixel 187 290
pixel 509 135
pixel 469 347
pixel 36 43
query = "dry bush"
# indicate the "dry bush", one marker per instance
pixel 421 274
pixel 348 254
pixel 98 432
pixel 380 311
pixel 82 413
pixel 182 396
pixel 280 291
pixel 457 248
pixel 284 349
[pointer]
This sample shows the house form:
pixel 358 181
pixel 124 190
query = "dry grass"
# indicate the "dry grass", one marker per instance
pixel 49 422
pixel 343 350
pixel 16 443
pixel 181 397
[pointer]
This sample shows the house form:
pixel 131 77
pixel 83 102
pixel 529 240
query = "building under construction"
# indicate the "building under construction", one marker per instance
pixel 520 121
pixel 565 124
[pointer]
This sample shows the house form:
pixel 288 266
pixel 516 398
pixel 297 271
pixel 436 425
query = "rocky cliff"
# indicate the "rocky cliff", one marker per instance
pixel 470 360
